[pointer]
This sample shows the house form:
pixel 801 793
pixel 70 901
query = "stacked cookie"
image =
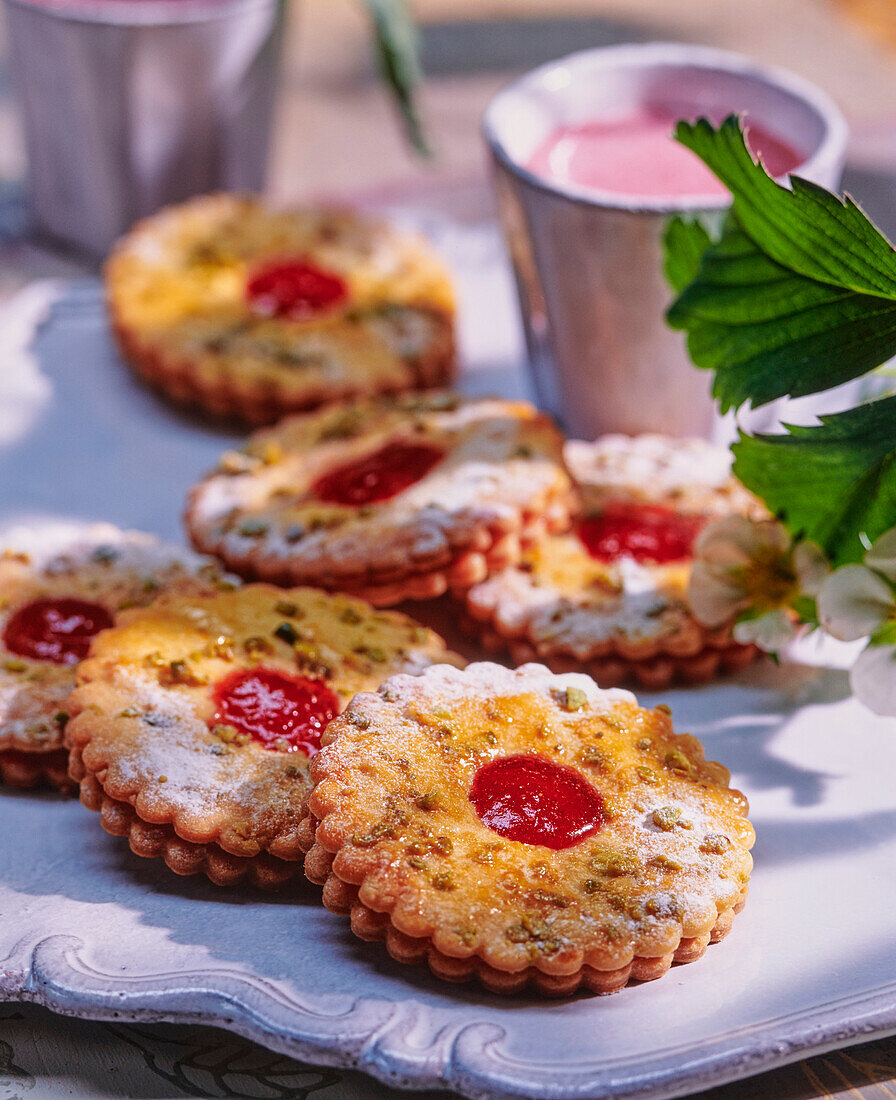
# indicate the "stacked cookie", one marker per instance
pixel 610 595
pixel 390 499
pixel 523 828
pixel 196 718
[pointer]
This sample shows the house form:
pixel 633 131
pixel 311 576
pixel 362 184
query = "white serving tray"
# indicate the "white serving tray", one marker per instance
pixel 90 930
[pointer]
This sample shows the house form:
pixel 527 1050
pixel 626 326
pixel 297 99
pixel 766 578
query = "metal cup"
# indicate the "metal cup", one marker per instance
pixel 588 264
pixel 132 104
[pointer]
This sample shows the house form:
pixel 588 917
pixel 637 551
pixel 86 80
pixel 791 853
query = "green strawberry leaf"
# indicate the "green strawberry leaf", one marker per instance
pixel 684 242
pixel 834 483
pixel 808 230
pixel 769 332
pixel 798 295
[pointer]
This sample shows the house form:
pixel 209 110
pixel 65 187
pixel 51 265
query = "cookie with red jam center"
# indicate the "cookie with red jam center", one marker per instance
pixel 196 718
pixel 60 585
pixel 610 596
pixel 524 828
pixel 249 312
pixel 392 499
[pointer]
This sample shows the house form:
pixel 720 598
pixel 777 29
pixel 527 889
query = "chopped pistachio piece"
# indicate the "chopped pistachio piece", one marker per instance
pixel 648 775
pixel 253 528
pixel 255 646
pixel 715 843
pixel 371 651
pixel 286 632
pixel 575 698
pixel 666 818
pixel 677 761
pixel 225 733
pixel 666 863
pixel 431 800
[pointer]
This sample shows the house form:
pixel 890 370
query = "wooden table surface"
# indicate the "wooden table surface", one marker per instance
pixel 336 135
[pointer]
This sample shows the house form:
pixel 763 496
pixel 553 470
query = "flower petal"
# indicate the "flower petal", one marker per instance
pixel 873 678
pixel 725 543
pixel 775 535
pixel 882 555
pixel 854 602
pixel 771 631
pixel 713 600
pixel 811 566
pixel 734 540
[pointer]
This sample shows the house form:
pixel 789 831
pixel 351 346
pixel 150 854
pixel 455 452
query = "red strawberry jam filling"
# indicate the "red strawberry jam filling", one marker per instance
pixel 645 532
pixel 54 628
pixel 275 709
pixel 295 289
pixel 531 799
pixel 378 476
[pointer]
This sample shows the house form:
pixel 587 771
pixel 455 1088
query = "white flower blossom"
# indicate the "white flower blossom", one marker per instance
pixel 859 601
pixel 854 602
pixel 873 678
pixel 771 631
pixel 752 571
pixel 882 555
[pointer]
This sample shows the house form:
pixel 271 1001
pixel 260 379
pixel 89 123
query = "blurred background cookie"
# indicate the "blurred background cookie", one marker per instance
pixel 244 311
pixel 691 476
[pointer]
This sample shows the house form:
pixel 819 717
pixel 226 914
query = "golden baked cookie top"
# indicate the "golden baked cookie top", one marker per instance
pixel 221 254
pixel 61 583
pixel 203 712
pixel 385 489
pixel 563 602
pixel 528 819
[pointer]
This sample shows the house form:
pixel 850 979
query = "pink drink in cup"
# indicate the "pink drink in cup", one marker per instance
pixel 636 155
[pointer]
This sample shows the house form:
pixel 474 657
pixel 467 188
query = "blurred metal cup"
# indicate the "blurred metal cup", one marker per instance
pixel 131 104
pixel 588 265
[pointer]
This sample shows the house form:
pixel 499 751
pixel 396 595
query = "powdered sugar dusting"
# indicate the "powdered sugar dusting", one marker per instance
pixel 652 465
pixel 561 600
pixel 690 475
pixel 485 678
pixel 168 748
pixel 59 546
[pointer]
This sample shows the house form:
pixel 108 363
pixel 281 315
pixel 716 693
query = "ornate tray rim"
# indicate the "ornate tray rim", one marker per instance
pixel 373 1035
